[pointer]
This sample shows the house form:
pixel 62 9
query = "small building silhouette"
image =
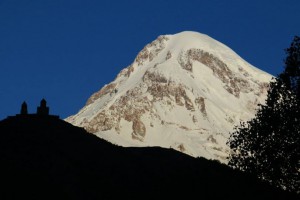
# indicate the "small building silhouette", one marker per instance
pixel 24 110
pixel 43 109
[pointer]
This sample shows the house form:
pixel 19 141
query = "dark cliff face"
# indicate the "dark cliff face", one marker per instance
pixel 47 158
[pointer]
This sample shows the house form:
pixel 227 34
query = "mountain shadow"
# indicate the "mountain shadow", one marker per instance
pixel 43 157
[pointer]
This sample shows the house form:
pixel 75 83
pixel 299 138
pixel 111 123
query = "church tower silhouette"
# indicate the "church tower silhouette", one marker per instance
pixel 24 110
pixel 43 109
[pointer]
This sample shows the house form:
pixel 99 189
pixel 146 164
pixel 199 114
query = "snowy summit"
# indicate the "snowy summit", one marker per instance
pixel 185 91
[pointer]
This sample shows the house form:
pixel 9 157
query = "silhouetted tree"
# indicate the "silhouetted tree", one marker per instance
pixel 269 144
pixel 291 74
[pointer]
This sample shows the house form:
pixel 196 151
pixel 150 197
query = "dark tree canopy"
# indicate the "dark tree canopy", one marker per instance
pixel 269 144
pixel 291 74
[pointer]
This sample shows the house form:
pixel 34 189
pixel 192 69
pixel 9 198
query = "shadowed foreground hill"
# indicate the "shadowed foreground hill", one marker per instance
pixel 47 158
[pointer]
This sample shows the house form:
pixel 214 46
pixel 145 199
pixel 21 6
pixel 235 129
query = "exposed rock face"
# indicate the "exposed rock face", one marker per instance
pixel 201 105
pixel 139 130
pixel 151 50
pixel 108 89
pixel 234 85
pixel 183 91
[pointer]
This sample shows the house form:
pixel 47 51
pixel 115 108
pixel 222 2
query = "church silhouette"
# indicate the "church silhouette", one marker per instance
pixel 42 110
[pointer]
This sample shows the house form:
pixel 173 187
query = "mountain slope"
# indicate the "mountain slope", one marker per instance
pixel 47 158
pixel 185 91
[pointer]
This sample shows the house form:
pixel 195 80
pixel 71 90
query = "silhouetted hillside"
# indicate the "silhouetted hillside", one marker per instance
pixel 47 158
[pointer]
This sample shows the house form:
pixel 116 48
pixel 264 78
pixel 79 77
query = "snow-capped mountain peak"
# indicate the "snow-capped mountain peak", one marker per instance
pixel 184 91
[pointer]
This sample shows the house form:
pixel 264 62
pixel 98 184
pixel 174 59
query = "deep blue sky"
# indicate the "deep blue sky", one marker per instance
pixel 65 50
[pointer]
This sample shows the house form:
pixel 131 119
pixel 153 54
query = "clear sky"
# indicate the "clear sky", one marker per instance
pixel 65 50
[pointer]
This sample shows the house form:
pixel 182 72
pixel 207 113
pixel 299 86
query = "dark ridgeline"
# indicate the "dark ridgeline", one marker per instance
pixel 43 157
